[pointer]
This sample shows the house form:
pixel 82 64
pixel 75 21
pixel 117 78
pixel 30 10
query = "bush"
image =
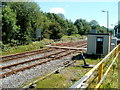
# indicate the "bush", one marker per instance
pixel 74 37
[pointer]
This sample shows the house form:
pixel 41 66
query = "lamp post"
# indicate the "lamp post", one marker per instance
pixel 107 19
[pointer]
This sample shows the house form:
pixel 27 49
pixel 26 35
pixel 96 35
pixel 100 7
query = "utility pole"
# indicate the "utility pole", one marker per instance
pixel 107 19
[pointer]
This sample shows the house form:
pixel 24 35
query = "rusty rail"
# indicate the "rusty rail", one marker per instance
pixel 30 60
pixel 37 52
pixel 17 70
pixel 21 69
pixel 19 55
pixel 7 56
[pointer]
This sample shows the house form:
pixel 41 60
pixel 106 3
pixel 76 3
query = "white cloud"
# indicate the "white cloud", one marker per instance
pixel 57 10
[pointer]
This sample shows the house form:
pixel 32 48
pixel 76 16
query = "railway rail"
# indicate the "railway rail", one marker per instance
pixel 41 52
pixel 27 67
pixel 31 53
pixel 20 54
pixel 28 54
pixel 34 52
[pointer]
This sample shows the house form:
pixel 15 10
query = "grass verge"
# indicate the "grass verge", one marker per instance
pixel 22 48
pixel 66 77
pixel 7 49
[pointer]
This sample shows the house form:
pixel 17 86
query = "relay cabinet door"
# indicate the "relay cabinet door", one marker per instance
pixel 99 45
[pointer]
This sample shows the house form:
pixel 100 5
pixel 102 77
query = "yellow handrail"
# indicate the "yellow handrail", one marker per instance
pixel 115 51
pixel 100 82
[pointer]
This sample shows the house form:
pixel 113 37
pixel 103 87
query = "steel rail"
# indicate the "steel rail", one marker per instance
pixel 31 60
pixel 27 52
pixel 28 60
pixel 37 52
pixel 14 71
pixel 23 68
pixel 22 53
pixel 69 43
pixel 48 50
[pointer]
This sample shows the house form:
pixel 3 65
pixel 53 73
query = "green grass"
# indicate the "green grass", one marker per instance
pixel 111 80
pixel 73 73
pixel 66 77
pixel 74 37
pixel 22 48
pixel 35 45
pixel 56 81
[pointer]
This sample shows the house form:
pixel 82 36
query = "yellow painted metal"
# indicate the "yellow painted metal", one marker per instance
pixel 100 72
pixel 100 64
pixel 104 59
pixel 98 85
pixel 111 57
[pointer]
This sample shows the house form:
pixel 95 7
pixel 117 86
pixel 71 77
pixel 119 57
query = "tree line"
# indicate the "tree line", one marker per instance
pixel 20 20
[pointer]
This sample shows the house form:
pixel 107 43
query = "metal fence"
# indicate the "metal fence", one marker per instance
pixel 101 72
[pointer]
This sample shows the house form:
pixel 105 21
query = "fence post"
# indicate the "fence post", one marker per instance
pixel 100 71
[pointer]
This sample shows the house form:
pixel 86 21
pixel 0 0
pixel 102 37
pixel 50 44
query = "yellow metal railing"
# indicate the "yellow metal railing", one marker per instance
pixel 111 57
pixel 114 54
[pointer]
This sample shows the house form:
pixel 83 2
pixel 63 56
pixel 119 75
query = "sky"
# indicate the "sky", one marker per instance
pixel 88 10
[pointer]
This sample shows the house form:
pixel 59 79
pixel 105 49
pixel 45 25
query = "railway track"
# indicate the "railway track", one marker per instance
pixel 30 53
pixel 69 43
pixel 29 66
pixel 20 54
pixel 57 55
pixel 23 55
pixel 34 52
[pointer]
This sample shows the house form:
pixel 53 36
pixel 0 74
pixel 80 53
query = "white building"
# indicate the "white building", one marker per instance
pixel 98 44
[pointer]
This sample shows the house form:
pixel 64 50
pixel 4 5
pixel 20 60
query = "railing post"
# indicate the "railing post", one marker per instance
pixel 116 50
pixel 100 72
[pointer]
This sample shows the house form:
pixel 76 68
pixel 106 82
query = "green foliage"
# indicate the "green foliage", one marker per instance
pixel 101 29
pixel 72 29
pixel 55 31
pixel 7 49
pixel 22 19
pixel 54 18
pixel 74 37
pixel 28 17
pixel 9 27
pixel 83 26
pixel 94 24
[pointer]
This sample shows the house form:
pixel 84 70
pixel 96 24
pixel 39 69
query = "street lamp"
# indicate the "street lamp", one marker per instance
pixel 107 19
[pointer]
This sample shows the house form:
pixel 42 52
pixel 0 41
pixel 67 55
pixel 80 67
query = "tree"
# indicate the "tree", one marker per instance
pixel 28 18
pixel 83 26
pixel 94 24
pixel 55 31
pixel 57 19
pixel 72 29
pixel 101 29
pixel 9 28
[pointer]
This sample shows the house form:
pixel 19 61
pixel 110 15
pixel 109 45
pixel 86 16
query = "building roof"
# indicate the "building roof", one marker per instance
pixel 98 34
